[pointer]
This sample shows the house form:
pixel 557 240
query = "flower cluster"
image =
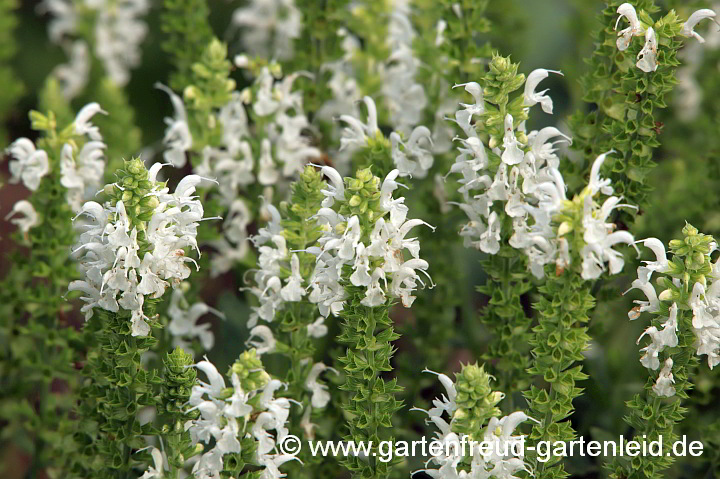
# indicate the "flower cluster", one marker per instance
pixel 404 97
pixel 365 229
pixel 117 28
pixel 183 322
pixel 519 172
pixel 510 170
pixel 232 416
pixel 81 163
pixel 690 282
pixel 134 245
pixel 412 157
pixel 580 226
pixel 273 285
pixel 269 27
pixel 265 154
pixel 468 410
pixel 647 57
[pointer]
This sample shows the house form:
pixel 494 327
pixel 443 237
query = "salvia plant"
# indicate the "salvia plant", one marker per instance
pixel 289 238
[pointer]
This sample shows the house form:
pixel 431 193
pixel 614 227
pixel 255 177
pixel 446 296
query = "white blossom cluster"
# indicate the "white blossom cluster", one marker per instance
pixel 375 252
pixel 544 245
pixel 404 97
pixel 705 305
pixel 531 190
pixel 269 27
pixel 81 172
pixel 183 326
pixel 517 175
pixel 345 90
pixel 499 461
pixel 227 417
pixel 647 57
pixel 120 268
pixel 271 157
pixel 411 158
pixel 272 286
pixel 118 31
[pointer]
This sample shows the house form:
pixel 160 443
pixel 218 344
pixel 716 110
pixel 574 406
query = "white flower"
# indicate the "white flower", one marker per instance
pixel 64 18
pixel 447 402
pixel 490 239
pixel 28 164
pixel 29 219
pixel 597 253
pixel 404 97
pixel 628 12
pixel 412 159
pixel 499 433
pixel 269 27
pixel 660 264
pixel 178 139
pixel 646 58
pixel 597 183
pixel 543 151
pixel 267 342
pixel 663 387
pixel 356 133
pixel 268 173
pixel 82 175
pixel 157 470
pixel 335 187
pixel 666 337
pixel 320 395
pixel 474 88
pixel 512 153
pixel 651 305
pixel 440 32
pixel 293 291
pixel 317 329
pixel 531 96
pixel 697 16
pixel 183 322
pixel 82 123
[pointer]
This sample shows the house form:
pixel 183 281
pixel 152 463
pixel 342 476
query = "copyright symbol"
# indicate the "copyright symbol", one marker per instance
pixel 290 445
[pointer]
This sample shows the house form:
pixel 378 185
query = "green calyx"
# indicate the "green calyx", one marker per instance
pixel 499 83
pixel 180 377
pixel 362 197
pixel 249 369
pixel 476 401
pixel 211 86
pixel 133 188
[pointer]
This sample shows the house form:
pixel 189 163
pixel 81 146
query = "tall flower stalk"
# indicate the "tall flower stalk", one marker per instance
pixel 632 72
pixel 361 269
pixel 285 322
pixel 131 249
pixel 684 325
pixel 39 343
pixel 501 166
pixel 583 241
